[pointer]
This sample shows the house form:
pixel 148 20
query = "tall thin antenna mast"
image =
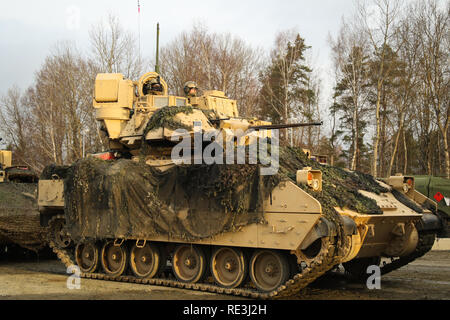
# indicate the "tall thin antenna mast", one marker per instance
pixel 139 30
pixel 157 49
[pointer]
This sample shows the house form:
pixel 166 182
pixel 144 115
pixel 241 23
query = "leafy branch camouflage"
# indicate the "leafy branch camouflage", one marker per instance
pixel 164 118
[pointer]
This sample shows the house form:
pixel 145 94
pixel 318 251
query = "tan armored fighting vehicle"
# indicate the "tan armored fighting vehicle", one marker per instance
pixel 132 213
pixel 5 162
pixel 19 215
pixel 10 173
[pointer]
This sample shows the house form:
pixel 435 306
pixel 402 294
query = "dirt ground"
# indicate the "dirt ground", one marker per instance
pixel 424 279
pixel 26 278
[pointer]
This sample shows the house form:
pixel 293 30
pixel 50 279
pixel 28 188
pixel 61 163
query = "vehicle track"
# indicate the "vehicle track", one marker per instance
pixel 323 263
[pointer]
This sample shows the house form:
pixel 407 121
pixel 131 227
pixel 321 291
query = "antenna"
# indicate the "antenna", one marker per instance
pixel 157 49
pixel 139 29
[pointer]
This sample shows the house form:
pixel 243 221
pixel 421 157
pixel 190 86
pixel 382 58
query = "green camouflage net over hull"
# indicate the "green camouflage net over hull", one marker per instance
pixel 131 200
pixel 19 216
pixel 339 187
pixel 127 199
pixel 407 202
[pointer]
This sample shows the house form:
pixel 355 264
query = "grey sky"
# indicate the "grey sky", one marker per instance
pixel 29 29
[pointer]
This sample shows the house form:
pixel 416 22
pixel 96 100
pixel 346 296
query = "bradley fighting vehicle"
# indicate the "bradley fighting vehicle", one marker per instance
pixel 10 173
pixel 135 214
pixel 19 215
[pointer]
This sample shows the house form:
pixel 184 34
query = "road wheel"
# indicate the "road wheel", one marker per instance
pixel 86 256
pixel 228 267
pixel 114 258
pixel 145 261
pixel 189 263
pixel 269 269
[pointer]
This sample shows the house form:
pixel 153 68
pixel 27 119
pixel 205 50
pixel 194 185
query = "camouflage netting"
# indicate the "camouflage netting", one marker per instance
pixel 163 117
pixel 410 204
pixel 339 187
pixel 127 199
pixel 54 171
pixel 19 216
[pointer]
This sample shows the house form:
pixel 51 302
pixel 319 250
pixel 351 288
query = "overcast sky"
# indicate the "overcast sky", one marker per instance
pixel 29 29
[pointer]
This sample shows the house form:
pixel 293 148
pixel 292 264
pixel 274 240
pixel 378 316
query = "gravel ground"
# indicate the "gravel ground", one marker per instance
pixel 423 279
pixel 27 278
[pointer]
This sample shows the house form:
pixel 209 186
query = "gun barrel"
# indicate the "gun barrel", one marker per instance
pixel 283 126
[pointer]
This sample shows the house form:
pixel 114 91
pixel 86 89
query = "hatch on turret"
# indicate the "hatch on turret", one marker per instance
pixel 217 101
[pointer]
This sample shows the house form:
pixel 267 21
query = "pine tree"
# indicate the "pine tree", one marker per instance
pixel 285 90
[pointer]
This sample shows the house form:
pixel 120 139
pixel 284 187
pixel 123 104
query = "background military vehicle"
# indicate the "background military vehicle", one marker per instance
pixel 19 214
pixel 135 211
pixel 17 173
pixel 438 187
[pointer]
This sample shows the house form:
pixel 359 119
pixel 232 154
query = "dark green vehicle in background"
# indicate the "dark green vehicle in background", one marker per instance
pixel 437 188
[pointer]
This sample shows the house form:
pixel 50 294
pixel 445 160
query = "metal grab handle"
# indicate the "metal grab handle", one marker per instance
pixel 116 244
pixel 140 246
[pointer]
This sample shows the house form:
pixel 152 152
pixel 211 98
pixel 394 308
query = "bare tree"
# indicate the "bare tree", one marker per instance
pixel 380 27
pixel 407 82
pixel 15 123
pixel 214 61
pixel 350 55
pixel 61 107
pixel 435 55
pixel 114 50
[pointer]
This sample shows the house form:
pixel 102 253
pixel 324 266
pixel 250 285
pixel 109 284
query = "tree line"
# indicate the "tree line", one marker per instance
pixel 389 110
